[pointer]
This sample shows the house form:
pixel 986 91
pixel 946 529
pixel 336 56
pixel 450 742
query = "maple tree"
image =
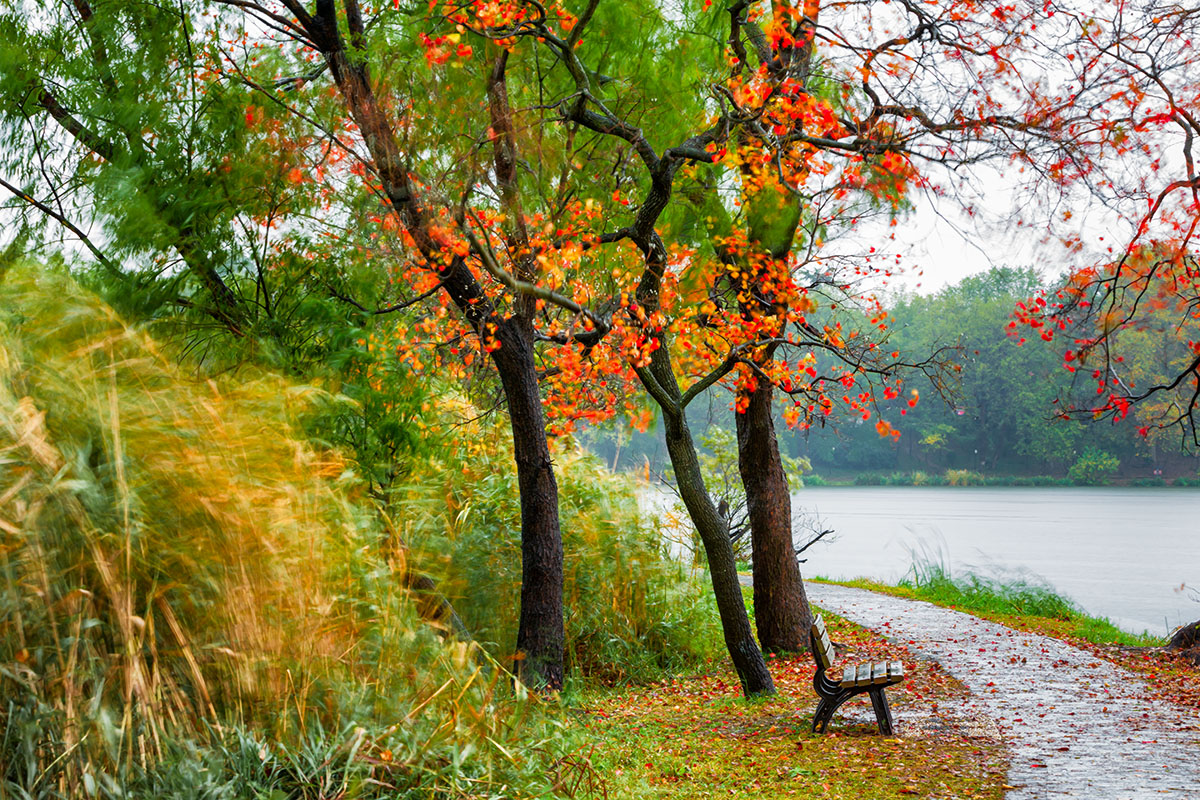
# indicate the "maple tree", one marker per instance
pixel 488 259
pixel 1135 154
pixel 832 115
pixel 175 154
pixel 453 258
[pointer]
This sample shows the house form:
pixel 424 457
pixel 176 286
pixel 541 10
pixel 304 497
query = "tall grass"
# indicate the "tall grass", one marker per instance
pixel 931 580
pixel 632 611
pixel 1013 596
pixel 178 568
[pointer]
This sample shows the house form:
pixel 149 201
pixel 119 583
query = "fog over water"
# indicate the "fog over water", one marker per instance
pixel 1119 553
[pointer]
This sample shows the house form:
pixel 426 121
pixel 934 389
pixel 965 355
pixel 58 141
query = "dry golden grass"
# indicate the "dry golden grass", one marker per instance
pixel 175 558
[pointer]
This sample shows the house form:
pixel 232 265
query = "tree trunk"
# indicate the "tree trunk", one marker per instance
pixel 1186 642
pixel 540 635
pixel 659 379
pixel 713 529
pixel 714 532
pixel 781 609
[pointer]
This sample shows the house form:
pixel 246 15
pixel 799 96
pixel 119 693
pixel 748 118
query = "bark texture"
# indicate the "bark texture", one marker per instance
pixel 714 532
pixel 660 381
pixel 781 610
pixel 540 634
pixel 713 529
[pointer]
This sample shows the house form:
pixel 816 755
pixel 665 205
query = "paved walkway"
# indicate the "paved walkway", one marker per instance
pixel 1077 726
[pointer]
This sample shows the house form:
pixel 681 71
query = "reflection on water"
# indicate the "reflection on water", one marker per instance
pixel 1118 553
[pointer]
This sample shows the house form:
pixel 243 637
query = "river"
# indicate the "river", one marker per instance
pixel 1118 553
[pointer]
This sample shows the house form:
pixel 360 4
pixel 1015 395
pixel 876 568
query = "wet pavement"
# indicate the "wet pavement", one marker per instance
pixel 1077 726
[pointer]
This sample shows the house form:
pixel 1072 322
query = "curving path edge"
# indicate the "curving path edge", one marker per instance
pixel 1077 726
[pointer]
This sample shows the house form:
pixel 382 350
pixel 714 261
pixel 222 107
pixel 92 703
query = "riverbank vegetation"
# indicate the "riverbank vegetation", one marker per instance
pixel 1008 600
pixel 309 311
pixel 1030 606
pixel 963 477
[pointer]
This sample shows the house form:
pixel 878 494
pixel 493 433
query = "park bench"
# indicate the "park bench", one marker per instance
pixel 870 678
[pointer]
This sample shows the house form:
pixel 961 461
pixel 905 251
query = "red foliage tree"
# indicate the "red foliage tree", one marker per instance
pixel 810 119
pixel 1133 155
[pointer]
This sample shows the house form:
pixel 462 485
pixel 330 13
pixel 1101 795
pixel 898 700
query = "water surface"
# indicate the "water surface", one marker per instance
pixel 1118 553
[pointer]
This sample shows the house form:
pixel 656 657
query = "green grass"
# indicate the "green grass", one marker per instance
pixel 934 582
pixel 1010 601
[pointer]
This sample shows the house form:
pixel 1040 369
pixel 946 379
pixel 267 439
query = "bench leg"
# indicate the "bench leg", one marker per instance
pixel 883 714
pixel 821 715
pixel 826 708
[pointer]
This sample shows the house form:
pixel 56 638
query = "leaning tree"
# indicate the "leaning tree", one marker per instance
pixel 824 118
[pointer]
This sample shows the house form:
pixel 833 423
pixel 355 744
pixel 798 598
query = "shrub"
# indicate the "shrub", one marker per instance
pixel 1148 481
pixel 963 477
pixel 925 479
pixel 1093 468
pixel 179 567
pixel 632 611
pixel 719 467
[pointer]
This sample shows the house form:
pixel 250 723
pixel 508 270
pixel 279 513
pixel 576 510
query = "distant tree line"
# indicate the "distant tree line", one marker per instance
pixel 998 411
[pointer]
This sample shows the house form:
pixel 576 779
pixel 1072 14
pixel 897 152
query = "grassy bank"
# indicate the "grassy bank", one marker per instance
pixel 1006 601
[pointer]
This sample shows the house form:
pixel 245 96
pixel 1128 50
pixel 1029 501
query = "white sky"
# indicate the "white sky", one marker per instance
pixel 940 243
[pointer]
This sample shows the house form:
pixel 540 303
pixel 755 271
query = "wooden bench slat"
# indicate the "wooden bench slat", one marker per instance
pixel 896 669
pixel 823 657
pixel 825 653
pixel 864 675
pixel 879 673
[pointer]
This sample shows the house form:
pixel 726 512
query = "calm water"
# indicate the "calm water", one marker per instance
pixel 1119 553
